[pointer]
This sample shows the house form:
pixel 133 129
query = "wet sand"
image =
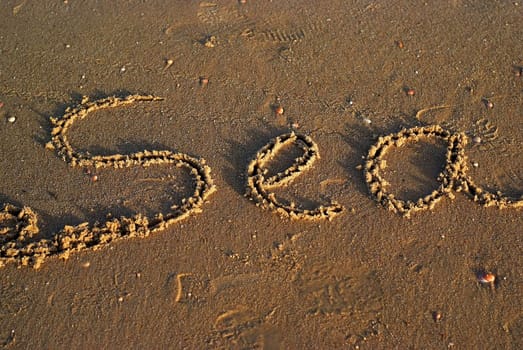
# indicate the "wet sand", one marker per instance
pixel 242 273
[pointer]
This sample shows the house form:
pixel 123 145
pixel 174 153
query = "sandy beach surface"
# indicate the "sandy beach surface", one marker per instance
pixel 261 271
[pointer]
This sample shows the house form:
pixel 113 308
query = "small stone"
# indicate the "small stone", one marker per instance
pixel 278 110
pixel 487 278
pixel 410 92
pixel 488 103
pixel 168 63
pixel 210 41
pixel 437 316
pixel 476 139
pixel 11 119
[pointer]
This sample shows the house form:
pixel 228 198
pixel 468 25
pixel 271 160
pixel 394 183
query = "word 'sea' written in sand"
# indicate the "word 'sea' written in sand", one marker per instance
pixel 21 243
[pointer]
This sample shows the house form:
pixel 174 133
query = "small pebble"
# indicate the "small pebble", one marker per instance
pixel 400 44
pixel 86 264
pixel 204 81
pixel 437 316
pixel 475 164
pixel 94 178
pixel 210 41
pixel 488 103
pixel 278 110
pixel 410 92
pixel 11 119
pixel 476 139
pixel 487 277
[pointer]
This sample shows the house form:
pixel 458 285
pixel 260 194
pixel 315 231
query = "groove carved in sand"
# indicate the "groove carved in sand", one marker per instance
pixel 258 185
pixel 19 226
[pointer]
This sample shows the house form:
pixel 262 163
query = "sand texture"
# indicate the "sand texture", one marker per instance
pixel 261 174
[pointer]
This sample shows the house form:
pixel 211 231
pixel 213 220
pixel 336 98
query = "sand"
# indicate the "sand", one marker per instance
pixel 322 242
